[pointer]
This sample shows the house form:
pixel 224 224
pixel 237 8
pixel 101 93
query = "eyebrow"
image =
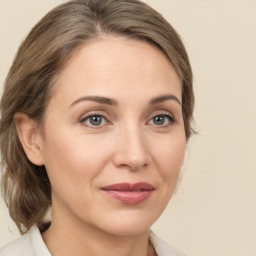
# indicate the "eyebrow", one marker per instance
pixel 163 98
pixel 113 102
pixel 99 99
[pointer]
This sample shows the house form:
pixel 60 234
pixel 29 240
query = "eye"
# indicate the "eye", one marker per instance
pixel 94 120
pixel 161 120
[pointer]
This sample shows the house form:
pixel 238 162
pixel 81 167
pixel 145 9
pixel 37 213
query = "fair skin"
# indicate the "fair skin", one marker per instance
pixel 115 116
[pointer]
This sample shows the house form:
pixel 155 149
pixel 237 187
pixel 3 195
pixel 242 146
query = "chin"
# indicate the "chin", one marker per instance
pixel 129 224
pixel 128 230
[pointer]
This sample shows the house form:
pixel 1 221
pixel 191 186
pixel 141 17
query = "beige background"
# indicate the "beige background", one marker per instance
pixel 214 210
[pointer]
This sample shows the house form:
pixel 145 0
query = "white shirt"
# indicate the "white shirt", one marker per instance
pixel 32 244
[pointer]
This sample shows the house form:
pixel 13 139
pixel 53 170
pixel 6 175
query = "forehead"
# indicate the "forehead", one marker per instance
pixel 117 66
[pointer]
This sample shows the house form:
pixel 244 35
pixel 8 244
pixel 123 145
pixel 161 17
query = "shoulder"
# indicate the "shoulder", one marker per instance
pixel 162 248
pixel 18 247
pixel 30 244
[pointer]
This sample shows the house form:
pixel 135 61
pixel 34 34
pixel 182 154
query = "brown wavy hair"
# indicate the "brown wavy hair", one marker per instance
pixel 25 186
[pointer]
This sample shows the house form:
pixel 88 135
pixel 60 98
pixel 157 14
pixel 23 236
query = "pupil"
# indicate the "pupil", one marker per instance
pixel 159 120
pixel 96 120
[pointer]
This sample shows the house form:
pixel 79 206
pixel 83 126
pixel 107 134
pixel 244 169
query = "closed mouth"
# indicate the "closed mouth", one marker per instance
pixel 131 187
pixel 129 193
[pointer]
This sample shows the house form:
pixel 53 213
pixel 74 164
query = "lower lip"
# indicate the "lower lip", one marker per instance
pixel 129 197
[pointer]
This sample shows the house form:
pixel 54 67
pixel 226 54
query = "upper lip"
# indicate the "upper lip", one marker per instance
pixel 140 186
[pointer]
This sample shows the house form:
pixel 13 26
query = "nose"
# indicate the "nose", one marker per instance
pixel 131 149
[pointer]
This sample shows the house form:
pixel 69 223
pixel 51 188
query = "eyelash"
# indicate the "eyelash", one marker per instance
pixel 171 120
pixel 84 119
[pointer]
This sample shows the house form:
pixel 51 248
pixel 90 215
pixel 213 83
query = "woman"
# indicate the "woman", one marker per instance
pixel 96 113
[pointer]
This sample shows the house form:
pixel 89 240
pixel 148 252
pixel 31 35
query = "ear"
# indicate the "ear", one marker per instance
pixel 30 138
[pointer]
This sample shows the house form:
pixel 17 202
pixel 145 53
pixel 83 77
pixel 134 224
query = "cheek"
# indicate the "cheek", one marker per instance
pixel 71 160
pixel 169 156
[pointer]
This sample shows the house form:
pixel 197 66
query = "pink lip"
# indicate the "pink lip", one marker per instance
pixel 129 193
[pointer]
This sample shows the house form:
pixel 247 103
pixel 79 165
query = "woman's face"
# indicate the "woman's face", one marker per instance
pixel 113 138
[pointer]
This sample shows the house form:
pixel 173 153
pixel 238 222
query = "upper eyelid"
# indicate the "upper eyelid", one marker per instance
pixel 86 117
pixel 161 112
pixel 164 114
pixel 170 117
pixel 94 113
pixel 83 120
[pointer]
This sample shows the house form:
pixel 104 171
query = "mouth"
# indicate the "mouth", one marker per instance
pixel 129 193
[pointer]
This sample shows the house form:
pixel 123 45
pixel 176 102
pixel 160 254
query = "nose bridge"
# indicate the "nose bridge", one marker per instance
pixel 131 148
